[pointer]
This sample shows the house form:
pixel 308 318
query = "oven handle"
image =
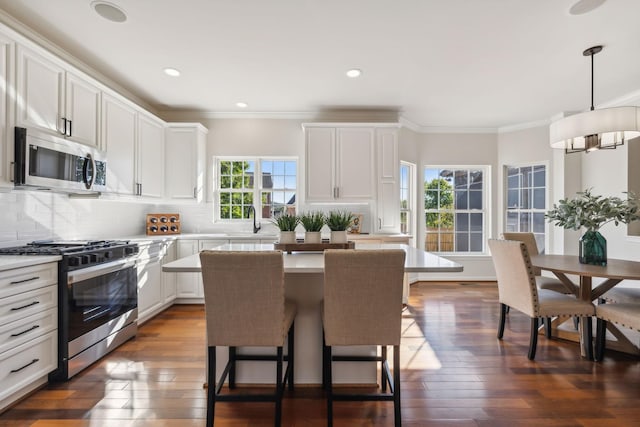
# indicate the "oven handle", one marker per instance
pixel 99 270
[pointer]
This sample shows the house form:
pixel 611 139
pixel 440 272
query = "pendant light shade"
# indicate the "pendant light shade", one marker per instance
pixel 595 129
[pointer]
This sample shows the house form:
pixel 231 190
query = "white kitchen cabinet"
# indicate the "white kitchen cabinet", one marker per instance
pixel 388 200
pixel 28 329
pixel 119 138
pixel 188 285
pixel 185 173
pixel 55 99
pixel 156 290
pixel 340 163
pixel 7 51
pixel 150 156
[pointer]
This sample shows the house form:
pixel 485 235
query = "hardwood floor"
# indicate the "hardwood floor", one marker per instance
pixel 454 373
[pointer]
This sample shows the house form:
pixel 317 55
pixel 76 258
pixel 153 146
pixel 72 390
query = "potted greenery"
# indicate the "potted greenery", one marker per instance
pixel 592 212
pixel 338 222
pixel 287 224
pixel 312 222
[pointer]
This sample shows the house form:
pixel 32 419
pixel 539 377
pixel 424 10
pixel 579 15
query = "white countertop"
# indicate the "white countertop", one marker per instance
pixel 7 262
pixel 417 260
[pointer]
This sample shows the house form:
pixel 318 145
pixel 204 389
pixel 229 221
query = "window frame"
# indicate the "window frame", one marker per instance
pixel 485 211
pixel 411 199
pixel 258 187
pixel 506 209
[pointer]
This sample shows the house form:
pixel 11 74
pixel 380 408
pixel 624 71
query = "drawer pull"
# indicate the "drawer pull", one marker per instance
pixel 13 371
pixel 24 280
pixel 25 306
pixel 25 331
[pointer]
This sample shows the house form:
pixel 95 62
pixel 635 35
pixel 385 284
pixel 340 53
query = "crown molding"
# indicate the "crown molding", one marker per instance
pixel 171 115
pixel 523 126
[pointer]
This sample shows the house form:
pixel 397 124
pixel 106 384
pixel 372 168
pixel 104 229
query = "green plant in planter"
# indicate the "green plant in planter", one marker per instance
pixel 312 221
pixel 592 212
pixel 338 220
pixel 287 222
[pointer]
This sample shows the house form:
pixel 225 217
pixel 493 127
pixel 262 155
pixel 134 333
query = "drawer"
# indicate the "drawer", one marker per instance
pixel 22 365
pixel 24 279
pixel 25 304
pixel 25 329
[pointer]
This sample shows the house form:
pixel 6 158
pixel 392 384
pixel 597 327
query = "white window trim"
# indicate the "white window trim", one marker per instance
pixel 257 189
pixel 486 202
pixel 411 220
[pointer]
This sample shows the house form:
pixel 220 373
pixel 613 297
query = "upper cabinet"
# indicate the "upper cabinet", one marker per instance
pixel 7 49
pixel 340 163
pixel 185 147
pixel 119 138
pixel 388 200
pixel 150 168
pixel 54 99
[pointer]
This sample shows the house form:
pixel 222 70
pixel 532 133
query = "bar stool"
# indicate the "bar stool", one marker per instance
pixel 363 306
pixel 245 306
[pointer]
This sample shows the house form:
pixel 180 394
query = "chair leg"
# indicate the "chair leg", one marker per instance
pixel 588 337
pixel 503 314
pixel 211 385
pixel 576 322
pixel 508 309
pixel 290 354
pixel 547 327
pixel 324 362
pixel 601 341
pixel 232 371
pixel 383 377
pixel 396 386
pixel 533 340
pixel 329 387
pixel 279 387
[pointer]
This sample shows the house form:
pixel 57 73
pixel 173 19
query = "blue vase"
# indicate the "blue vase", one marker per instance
pixel 593 248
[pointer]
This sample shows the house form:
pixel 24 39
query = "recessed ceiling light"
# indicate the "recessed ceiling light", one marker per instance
pixel 109 11
pixel 353 73
pixel 171 72
pixel 242 104
pixel 585 6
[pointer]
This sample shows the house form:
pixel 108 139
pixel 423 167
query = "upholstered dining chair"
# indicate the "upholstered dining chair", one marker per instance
pixel 363 306
pixel 245 306
pixel 622 295
pixel 517 289
pixel 625 314
pixel 543 282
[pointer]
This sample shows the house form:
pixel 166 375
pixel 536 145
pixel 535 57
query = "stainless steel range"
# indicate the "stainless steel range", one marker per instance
pixel 97 298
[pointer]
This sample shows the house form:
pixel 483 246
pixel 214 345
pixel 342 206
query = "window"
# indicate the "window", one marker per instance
pixel 526 201
pixel 407 183
pixel 455 209
pixel 244 182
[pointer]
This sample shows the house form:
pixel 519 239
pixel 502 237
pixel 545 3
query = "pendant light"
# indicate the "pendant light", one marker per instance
pixel 595 129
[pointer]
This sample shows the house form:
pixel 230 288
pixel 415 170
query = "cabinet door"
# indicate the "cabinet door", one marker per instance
pixel 7 47
pixel 150 157
pixel 150 296
pixel 169 289
pixel 355 156
pixel 189 285
pixel 184 170
pixel 388 203
pixel 40 92
pixel 320 158
pixel 118 136
pixel 83 110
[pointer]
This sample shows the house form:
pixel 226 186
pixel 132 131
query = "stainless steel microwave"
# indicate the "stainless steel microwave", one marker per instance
pixel 48 162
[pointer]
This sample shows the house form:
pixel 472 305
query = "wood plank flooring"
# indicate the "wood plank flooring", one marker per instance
pixel 454 373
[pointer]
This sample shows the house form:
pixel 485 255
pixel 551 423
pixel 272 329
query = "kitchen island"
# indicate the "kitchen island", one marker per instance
pixel 304 284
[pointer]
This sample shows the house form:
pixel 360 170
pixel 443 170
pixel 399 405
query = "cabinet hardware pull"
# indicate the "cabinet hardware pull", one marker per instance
pixel 25 331
pixel 13 371
pixel 12 172
pixel 379 223
pixel 25 306
pixel 195 193
pixel 24 280
pixel 70 128
pixel 64 129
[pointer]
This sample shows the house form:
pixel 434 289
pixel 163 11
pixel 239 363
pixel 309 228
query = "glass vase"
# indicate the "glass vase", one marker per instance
pixel 593 248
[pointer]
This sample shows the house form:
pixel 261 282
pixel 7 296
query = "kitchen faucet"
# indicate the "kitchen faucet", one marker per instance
pixel 257 227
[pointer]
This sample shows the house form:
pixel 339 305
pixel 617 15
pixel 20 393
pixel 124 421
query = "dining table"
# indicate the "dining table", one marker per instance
pixel 614 272
pixel 304 277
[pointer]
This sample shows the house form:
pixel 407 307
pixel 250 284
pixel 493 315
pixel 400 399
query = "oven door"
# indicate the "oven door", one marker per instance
pixel 99 294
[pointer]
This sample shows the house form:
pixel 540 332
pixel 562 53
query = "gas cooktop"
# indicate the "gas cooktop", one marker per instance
pixel 65 247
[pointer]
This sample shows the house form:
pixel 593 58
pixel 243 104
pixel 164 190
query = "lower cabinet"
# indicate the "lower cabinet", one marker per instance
pixel 28 329
pixel 153 296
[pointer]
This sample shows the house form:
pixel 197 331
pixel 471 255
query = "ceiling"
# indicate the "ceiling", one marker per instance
pixel 443 64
